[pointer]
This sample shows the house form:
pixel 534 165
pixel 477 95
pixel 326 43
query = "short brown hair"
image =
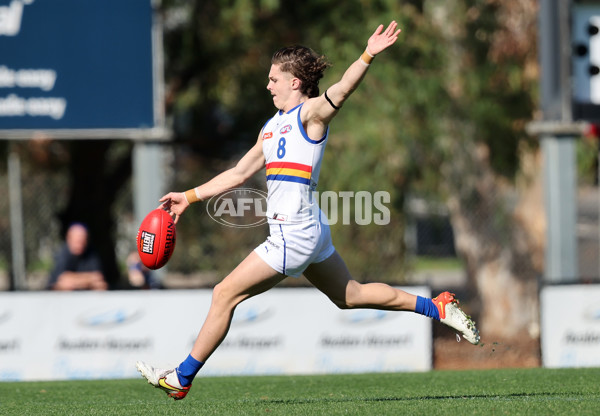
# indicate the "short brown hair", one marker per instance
pixel 304 64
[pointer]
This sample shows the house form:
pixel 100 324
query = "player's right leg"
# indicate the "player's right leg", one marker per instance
pixel 251 277
pixel 332 277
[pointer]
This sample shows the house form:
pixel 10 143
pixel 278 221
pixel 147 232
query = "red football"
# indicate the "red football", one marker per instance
pixel 156 239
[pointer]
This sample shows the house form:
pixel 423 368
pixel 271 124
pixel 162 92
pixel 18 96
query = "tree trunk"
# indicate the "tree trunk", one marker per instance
pixel 500 243
pixel 499 230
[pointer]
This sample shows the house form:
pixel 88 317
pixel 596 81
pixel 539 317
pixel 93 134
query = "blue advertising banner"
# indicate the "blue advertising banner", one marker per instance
pixel 72 64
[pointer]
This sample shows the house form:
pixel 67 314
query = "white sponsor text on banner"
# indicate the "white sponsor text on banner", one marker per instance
pixel 94 335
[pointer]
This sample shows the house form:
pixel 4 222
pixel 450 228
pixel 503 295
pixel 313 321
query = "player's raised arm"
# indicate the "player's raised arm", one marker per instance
pixel 175 203
pixel 326 105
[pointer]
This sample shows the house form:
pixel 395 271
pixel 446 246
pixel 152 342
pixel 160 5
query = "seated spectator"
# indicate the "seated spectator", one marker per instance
pixel 77 266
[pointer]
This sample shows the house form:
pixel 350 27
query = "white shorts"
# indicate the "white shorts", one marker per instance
pixel 291 248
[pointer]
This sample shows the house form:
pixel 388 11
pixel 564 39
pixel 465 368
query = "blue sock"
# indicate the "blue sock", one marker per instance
pixel 187 370
pixel 425 306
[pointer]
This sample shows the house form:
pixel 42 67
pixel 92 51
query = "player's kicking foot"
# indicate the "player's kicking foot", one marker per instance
pixel 454 317
pixel 166 380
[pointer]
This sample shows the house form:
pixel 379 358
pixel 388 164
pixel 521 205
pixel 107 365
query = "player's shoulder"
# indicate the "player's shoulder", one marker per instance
pixel 309 106
pixel 313 114
pixel 309 111
pixel 317 110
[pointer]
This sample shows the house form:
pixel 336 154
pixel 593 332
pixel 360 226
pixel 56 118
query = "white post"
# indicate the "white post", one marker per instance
pixel 16 222
pixel 560 190
pixel 149 159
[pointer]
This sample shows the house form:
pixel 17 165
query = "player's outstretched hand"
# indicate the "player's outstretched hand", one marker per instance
pixel 174 203
pixel 381 39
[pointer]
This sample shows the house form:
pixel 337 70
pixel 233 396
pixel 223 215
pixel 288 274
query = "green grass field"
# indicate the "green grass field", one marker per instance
pixel 489 392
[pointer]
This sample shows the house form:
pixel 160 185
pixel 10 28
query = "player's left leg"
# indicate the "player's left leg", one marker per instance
pixel 332 277
pixel 251 277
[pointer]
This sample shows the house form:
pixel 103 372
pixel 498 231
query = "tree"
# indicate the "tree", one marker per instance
pixel 217 58
pixel 491 80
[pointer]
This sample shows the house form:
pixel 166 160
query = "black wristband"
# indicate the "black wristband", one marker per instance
pixel 331 102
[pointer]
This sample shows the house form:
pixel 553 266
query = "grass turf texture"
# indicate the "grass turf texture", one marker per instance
pixel 506 391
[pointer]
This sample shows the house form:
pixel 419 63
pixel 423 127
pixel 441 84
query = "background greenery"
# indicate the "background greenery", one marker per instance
pixel 461 82
pixel 393 134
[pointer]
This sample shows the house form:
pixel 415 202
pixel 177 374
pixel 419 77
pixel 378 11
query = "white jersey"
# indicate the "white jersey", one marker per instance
pixel 293 163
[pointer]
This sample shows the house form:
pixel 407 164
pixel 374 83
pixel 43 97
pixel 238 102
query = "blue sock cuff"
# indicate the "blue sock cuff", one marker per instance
pixel 425 306
pixel 187 370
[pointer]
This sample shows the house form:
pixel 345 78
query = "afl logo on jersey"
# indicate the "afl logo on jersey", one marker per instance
pixel 286 129
pixel 267 135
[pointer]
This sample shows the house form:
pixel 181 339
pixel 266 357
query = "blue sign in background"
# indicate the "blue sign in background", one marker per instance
pixel 101 53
